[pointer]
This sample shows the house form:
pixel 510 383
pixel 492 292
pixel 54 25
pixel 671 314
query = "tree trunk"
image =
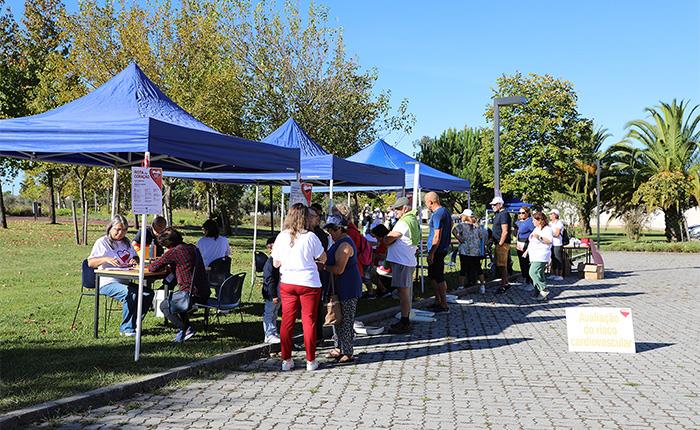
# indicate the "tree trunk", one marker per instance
pixel 52 192
pixel 225 221
pixel 673 225
pixel 3 216
pixel 585 222
pixel 86 209
pixel 75 221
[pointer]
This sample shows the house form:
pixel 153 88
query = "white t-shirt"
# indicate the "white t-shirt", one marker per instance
pixel 402 251
pixel 557 239
pixel 121 250
pixel 298 261
pixel 537 251
pixel 212 249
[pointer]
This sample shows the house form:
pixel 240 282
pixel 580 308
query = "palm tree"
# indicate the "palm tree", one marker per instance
pixel 583 187
pixel 665 161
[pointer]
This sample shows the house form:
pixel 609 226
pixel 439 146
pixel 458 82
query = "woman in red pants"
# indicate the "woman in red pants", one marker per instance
pixel 296 252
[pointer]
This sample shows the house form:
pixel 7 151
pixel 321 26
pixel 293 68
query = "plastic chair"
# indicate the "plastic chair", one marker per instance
pixel 228 298
pixel 219 270
pixel 87 288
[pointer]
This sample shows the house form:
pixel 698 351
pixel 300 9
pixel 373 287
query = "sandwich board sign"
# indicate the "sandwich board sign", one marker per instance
pixel 600 329
pixel 147 190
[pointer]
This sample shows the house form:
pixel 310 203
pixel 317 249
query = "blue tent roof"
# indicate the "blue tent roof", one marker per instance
pixel 117 123
pixel 317 165
pixel 382 154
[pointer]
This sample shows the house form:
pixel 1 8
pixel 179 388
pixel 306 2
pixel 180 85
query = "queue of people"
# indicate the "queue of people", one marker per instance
pixel 309 260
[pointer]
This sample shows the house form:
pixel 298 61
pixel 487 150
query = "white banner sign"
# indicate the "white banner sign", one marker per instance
pixel 146 190
pixel 300 192
pixel 593 329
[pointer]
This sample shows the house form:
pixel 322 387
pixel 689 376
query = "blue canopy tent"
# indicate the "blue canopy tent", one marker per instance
pixel 129 120
pixel 317 165
pixel 382 154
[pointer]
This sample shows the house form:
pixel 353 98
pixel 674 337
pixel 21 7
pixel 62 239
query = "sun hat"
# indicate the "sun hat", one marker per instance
pixel 467 212
pixel 334 221
pixel 554 211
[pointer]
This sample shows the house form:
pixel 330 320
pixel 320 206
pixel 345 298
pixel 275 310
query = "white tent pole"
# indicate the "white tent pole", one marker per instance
pixel 142 268
pixel 330 197
pixel 255 235
pixel 348 198
pixel 282 209
pixel 115 181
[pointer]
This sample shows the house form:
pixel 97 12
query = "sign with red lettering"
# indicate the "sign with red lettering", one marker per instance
pixel 597 329
pixel 146 190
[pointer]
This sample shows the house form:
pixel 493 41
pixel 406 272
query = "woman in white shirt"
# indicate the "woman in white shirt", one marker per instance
pixel 539 250
pixel 114 250
pixel 212 246
pixel 296 252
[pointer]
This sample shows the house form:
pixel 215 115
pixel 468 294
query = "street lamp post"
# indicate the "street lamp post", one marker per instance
pixel 597 195
pixel 498 102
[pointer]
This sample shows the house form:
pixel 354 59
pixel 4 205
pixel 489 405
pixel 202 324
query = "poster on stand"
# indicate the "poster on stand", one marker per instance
pixel 600 329
pixel 147 190
pixel 300 192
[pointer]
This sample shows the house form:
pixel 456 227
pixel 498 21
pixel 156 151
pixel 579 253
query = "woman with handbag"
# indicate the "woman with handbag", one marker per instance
pixel 346 284
pixel 186 261
pixel 296 252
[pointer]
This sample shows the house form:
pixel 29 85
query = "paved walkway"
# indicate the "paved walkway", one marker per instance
pixel 499 363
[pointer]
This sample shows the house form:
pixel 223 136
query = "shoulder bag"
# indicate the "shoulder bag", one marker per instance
pixel 333 313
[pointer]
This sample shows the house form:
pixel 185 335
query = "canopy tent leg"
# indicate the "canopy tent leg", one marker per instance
pixel 349 199
pixel 142 268
pixel 282 209
pixel 272 212
pixel 469 199
pixel 330 196
pixel 115 182
pixel 255 238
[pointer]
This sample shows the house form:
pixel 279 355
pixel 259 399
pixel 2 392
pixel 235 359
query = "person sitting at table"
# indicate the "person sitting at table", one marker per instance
pixel 156 228
pixel 114 250
pixel 186 262
pixel 212 245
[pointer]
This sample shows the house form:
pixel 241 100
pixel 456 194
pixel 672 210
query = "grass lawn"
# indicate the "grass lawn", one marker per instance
pixel 42 359
pixel 650 241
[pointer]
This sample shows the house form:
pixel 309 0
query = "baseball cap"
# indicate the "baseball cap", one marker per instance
pixel 335 221
pixel 496 200
pixel 554 211
pixel 400 202
pixel 467 212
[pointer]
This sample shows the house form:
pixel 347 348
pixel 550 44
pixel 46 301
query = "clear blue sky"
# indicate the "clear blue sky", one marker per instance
pixel 445 56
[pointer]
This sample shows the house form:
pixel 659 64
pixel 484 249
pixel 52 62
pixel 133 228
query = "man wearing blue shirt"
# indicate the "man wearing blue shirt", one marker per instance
pixel 438 246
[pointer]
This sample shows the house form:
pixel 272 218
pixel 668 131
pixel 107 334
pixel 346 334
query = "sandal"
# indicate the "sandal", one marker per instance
pixel 346 359
pixel 334 353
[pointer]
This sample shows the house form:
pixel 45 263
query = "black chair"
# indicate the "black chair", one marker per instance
pixel 219 270
pixel 228 298
pixel 260 260
pixel 87 288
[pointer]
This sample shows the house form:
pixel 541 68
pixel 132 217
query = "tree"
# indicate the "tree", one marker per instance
pixel 666 158
pixel 537 138
pixel 582 189
pixel 457 152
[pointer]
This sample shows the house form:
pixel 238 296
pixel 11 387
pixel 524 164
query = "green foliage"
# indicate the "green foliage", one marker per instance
pixel 538 139
pixel 657 164
pixel 458 152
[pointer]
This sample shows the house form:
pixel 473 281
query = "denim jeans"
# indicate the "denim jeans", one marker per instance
pixel 270 319
pixel 128 295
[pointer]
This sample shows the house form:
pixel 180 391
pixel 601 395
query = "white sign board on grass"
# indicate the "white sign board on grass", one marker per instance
pixel 597 329
pixel 146 190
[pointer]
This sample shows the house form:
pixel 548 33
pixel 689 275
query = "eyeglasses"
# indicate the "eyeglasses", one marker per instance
pixel 522 213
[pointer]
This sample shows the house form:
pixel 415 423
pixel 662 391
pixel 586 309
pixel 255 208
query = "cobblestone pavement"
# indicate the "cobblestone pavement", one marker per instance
pixel 499 363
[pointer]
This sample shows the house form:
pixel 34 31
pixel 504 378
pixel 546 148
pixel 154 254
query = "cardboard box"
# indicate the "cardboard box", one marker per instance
pixel 593 271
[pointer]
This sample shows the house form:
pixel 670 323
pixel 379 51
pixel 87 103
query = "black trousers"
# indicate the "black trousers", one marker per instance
pixel 524 267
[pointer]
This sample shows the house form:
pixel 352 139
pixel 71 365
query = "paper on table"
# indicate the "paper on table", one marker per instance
pixel 118 268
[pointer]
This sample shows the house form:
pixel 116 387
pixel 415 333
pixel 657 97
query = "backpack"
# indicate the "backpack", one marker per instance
pixel 364 252
pixel 564 236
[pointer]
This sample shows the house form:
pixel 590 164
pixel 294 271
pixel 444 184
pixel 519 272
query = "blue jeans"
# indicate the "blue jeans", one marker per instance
pixel 128 295
pixel 270 319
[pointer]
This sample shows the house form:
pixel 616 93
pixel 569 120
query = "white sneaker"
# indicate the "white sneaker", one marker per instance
pixel 272 339
pixel 287 365
pixel 311 365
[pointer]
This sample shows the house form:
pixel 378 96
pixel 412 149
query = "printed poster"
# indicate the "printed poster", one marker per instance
pixel 147 190
pixel 598 329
